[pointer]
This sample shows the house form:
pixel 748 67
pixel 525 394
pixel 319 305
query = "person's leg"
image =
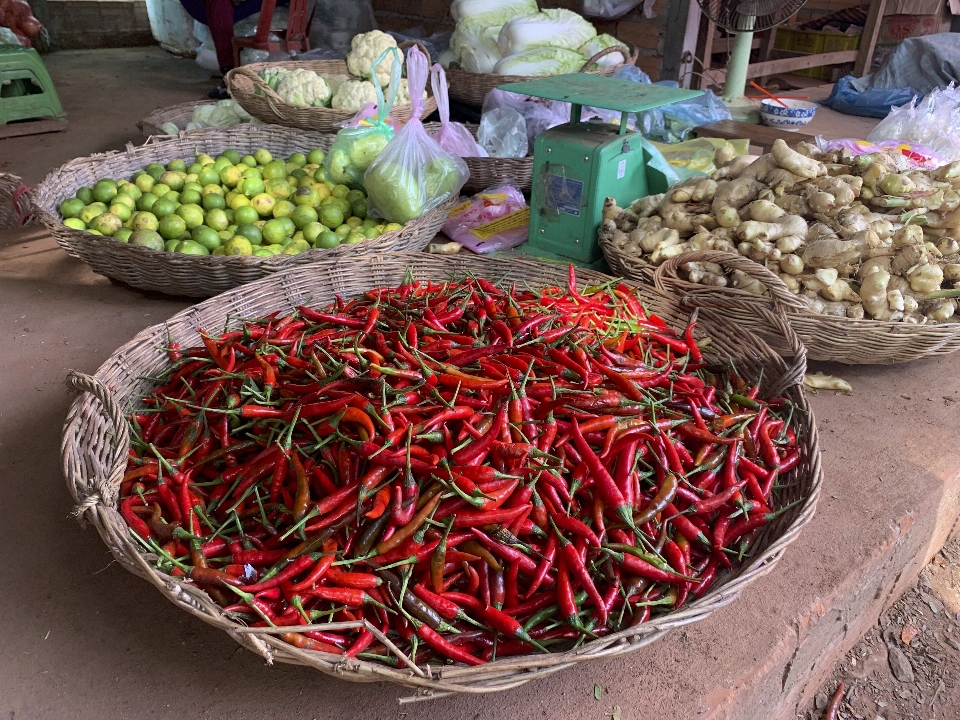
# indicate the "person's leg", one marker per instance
pixel 220 20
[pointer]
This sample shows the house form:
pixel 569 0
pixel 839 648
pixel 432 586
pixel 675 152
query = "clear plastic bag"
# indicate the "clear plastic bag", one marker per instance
pixel 503 133
pixel 538 113
pixel 413 174
pixel 672 123
pixel 452 136
pixel 934 122
pixel 918 155
pixel 496 219
pixel 609 8
pixel 359 143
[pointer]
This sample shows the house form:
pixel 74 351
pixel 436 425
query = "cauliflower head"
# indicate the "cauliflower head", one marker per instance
pixel 364 51
pixel 304 87
pixel 354 95
pixel 273 75
pixel 403 93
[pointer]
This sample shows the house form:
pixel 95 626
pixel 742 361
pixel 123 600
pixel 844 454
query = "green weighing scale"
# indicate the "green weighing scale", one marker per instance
pixel 576 166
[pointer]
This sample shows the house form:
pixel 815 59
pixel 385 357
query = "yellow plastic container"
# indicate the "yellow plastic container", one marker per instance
pixel 814 42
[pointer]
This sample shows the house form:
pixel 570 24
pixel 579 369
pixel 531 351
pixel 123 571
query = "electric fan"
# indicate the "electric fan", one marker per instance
pixel 744 18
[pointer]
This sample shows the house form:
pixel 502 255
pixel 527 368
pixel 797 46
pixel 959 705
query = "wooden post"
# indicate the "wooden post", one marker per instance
pixel 705 48
pixel 868 40
pixel 766 47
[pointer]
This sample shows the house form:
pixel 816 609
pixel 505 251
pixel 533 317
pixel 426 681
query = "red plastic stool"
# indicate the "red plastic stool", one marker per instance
pixel 295 37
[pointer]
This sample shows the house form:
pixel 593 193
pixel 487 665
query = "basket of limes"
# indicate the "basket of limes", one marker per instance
pixel 200 214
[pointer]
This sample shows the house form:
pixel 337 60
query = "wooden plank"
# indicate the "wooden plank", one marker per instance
pixel 32 127
pixel 760 135
pixel 769 39
pixel 688 59
pixel 868 41
pixel 704 49
pixel 800 62
pixel 672 62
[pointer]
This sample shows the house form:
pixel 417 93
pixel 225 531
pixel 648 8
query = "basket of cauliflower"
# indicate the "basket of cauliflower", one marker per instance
pixel 863 251
pixel 320 95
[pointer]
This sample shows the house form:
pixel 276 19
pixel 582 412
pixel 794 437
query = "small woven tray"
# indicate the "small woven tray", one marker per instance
pixel 95 445
pixel 15 202
pixel 839 339
pixel 180 115
pixel 190 275
pixel 243 83
pixel 471 88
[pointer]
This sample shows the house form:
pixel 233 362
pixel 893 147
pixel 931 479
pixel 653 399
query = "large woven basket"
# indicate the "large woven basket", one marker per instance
pixel 486 172
pixel 95 444
pixel 629 266
pixel 180 115
pixel 471 88
pixel 257 98
pixel 840 339
pixel 190 275
pixel 15 202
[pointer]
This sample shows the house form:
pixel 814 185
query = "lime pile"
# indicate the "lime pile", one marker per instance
pixel 228 205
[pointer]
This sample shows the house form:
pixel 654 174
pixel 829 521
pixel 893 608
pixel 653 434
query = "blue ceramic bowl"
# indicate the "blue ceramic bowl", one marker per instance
pixel 797 113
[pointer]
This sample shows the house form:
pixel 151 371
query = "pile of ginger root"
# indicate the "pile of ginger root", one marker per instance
pixel 862 237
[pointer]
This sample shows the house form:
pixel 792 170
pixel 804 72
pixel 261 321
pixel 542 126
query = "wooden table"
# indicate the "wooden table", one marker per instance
pixel 762 136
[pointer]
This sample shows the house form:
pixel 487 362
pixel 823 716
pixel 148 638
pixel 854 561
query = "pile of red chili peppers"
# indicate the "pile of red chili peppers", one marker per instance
pixel 475 471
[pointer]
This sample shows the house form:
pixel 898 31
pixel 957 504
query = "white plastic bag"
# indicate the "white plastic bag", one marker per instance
pixel 503 133
pixel 452 136
pixel 934 122
pixel 614 8
pixel 413 174
pixel 496 219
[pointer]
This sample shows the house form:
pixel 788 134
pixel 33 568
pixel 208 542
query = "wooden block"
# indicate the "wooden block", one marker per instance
pixel 643 35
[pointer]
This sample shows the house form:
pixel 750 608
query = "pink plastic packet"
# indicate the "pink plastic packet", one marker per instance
pixel 496 219
pixel 452 136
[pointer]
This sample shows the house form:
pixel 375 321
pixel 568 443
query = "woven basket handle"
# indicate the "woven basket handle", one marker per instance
pixel 82 382
pixel 784 303
pixel 629 56
pixel 255 79
pixel 423 48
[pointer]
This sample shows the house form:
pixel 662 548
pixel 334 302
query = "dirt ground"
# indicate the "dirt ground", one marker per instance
pixel 908 666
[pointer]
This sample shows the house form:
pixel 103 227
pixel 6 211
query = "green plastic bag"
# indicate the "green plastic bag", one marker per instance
pixel 359 144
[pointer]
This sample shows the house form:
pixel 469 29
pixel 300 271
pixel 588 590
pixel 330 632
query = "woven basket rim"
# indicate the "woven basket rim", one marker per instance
pixel 99 500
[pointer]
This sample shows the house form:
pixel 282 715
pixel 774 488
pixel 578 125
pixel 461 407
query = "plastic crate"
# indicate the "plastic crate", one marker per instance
pixel 815 42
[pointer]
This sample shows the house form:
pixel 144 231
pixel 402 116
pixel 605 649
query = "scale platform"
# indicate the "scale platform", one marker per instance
pixel 577 165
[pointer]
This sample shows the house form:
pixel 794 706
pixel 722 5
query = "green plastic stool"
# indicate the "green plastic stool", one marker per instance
pixel 21 73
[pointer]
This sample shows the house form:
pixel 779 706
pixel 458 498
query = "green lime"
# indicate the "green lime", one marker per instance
pixel 262 156
pixel 283 208
pixel 354 238
pixel 123 234
pixel 343 230
pixel 177 166
pixel 208 176
pixel 279 188
pixel 155 170
pixel 104 191
pixel 355 195
pixel 85 195
pixel 172 226
pixel 315 157
pixel 354 222
pixel 296 247
pixel 303 216
pixel 146 182
pixel 275 170
pixel 327 240
pixel 121 211
pixel 171 245
pixel 220 163
pixel 250 232
pixel 372 232
pixel 313 230
pixel 71 208
pixel 298 159
pixel 195 169
pixel 147 238
pixel 288 225
pixel 245 214
pixel 320 175
pixel 125 200
pixel 75 223
pixel 237 200
pixel 131 191
pixel 251 186
pixel 173 196
pixel 189 247
pixel 90 211
pixel 275 231
pixel 216 219
pixel 219 252
pixel 248 160
pixel 191 197
pixel 212 201
pixel 307 195
pixel 390 227
pixel 174 180
pixel 331 215
pixel 231 217
pixel 238 245
pixel 192 215
pixel 340 191
pixel 163 207
pixel 359 208
pixel 264 251
pixel 231 176
pixel 144 220
pixel 232 155
pixel 206 236
pixel 263 204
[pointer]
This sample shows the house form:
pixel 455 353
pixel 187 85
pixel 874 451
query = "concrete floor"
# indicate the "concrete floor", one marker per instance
pixel 82 638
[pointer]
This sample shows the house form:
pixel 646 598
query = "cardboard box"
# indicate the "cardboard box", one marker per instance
pixel 913 7
pixel 896 28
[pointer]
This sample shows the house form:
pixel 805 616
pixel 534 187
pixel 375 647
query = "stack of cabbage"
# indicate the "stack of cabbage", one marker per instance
pixel 219 114
pixel 513 37
pixel 342 92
